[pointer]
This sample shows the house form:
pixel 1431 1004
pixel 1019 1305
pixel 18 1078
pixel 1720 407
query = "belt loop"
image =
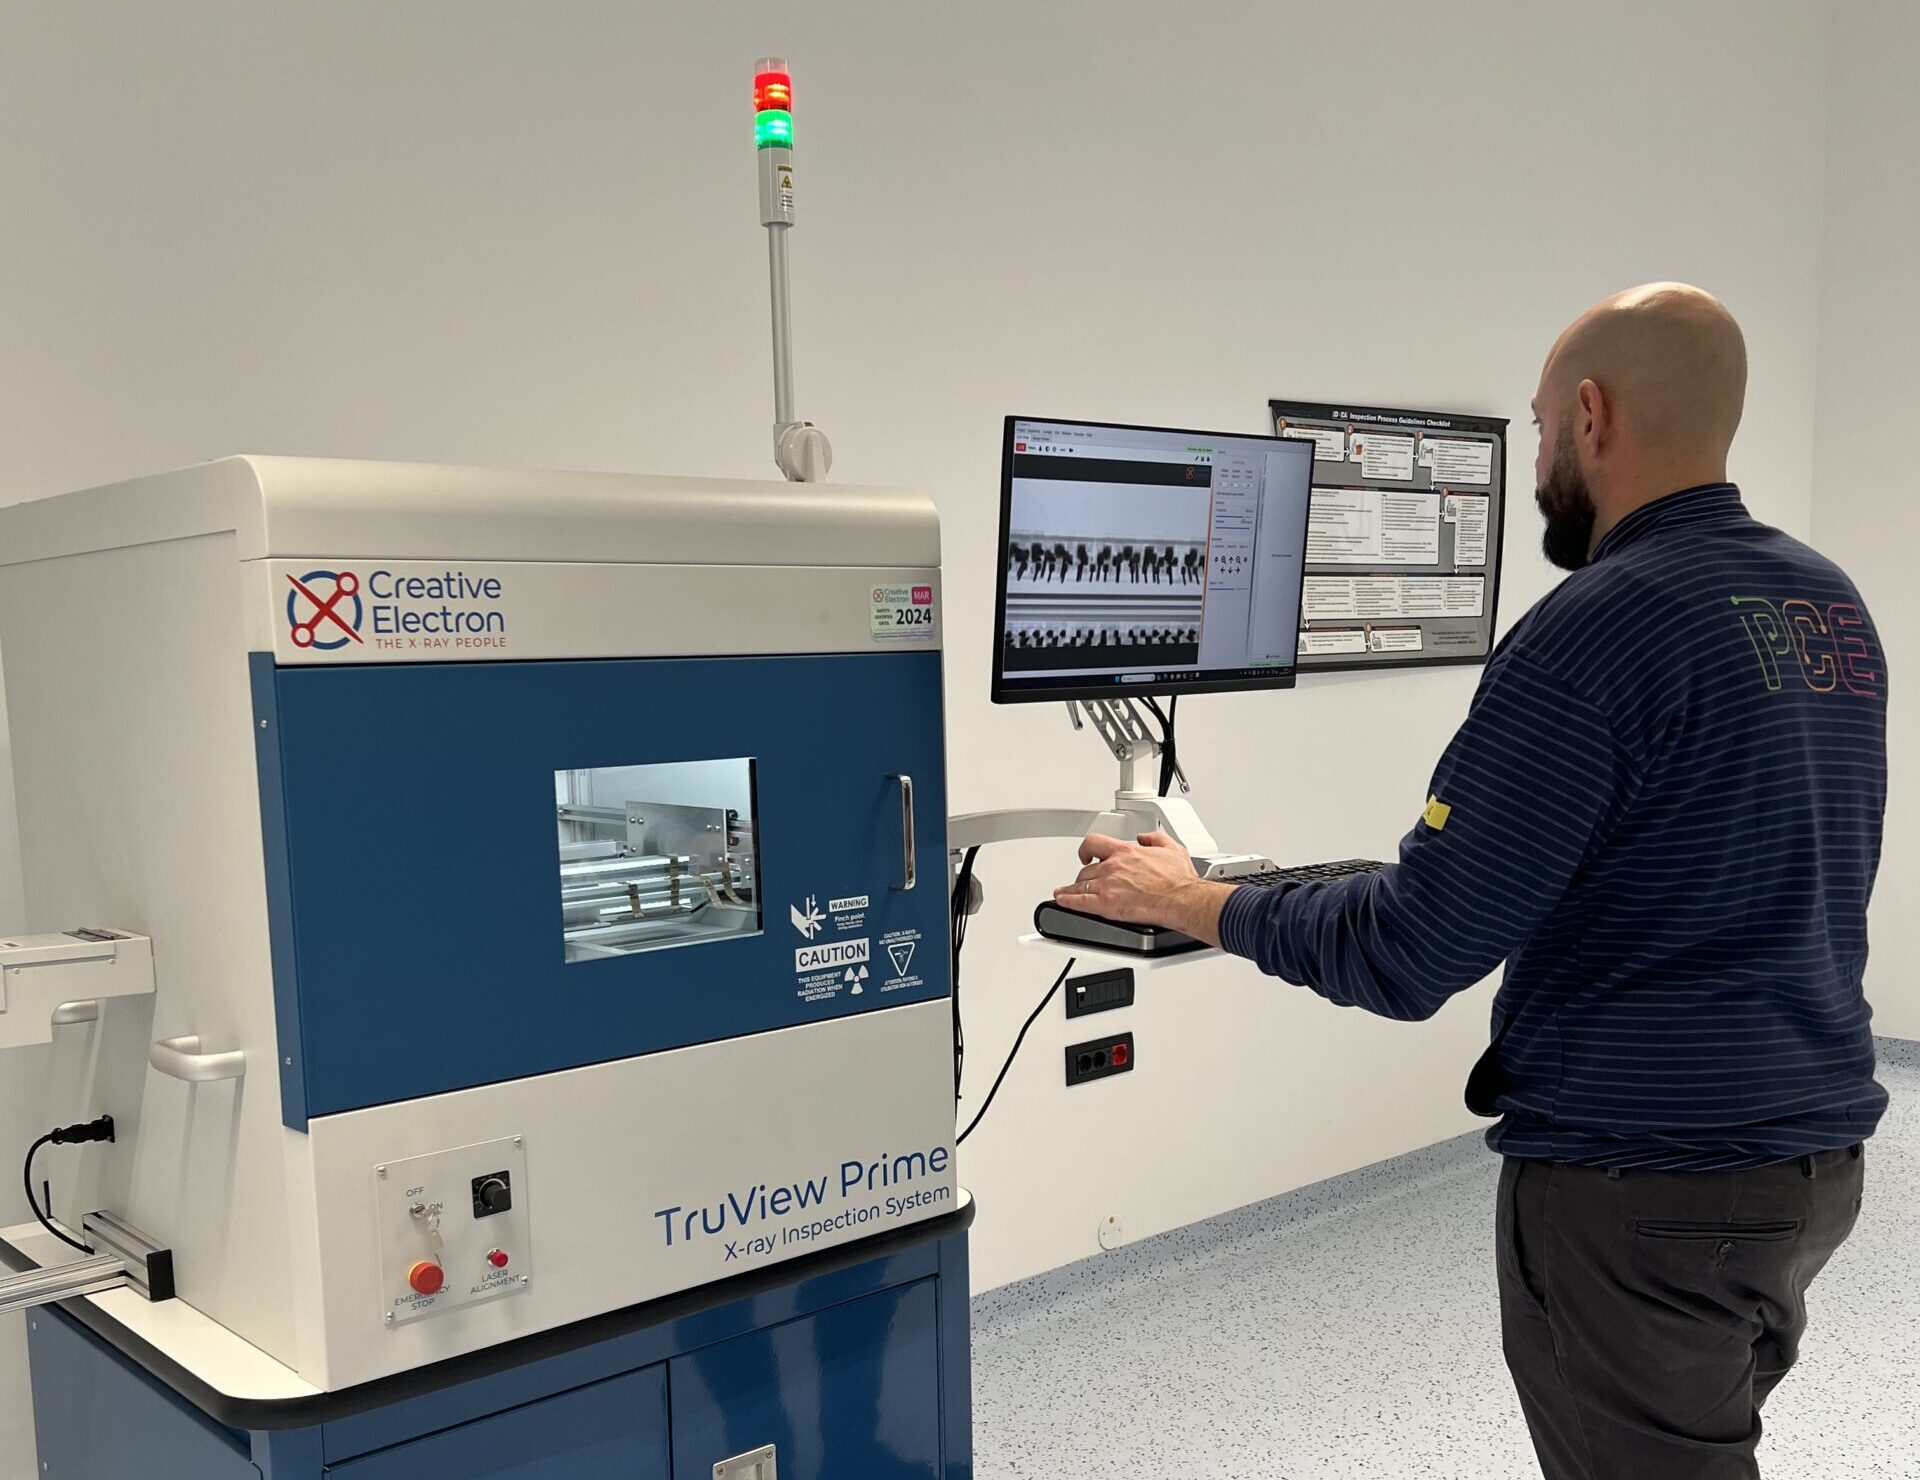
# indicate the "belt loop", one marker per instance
pixel 1855 1149
pixel 1613 1174
pixel 1806 1167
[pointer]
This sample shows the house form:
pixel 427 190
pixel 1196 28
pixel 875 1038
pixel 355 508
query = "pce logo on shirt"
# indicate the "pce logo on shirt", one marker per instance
pixel 324 610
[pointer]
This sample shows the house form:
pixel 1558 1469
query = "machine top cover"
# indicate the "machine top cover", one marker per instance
pixel 294 507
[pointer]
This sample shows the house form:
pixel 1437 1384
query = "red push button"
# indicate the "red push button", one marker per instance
pixel 498 1259
pixel 426 1277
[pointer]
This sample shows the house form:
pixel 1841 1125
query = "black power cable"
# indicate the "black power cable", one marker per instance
pixel 962 899
pixel 1169 752
pixel 1032 1018
pixel 66 1135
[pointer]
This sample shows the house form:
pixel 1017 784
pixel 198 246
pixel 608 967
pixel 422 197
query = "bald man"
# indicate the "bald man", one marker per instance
pixel 1663 813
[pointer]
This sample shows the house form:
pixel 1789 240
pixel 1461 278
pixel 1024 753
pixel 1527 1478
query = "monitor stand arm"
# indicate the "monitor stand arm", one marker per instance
pixel 1140 809
pixel 1135 809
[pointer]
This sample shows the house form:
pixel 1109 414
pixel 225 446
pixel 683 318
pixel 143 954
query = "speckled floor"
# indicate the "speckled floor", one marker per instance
pixel 1350 1329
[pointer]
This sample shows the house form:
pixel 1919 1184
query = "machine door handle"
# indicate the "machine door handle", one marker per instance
pixel 910 856
pixel 757 1464
pixel 181 1058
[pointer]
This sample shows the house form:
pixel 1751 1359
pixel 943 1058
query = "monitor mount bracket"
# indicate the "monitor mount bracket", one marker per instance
pixel 1120 723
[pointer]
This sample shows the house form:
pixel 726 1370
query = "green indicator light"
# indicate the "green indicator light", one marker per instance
pixel 773 129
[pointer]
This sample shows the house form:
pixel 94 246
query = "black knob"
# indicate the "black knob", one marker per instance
pixel 492 1194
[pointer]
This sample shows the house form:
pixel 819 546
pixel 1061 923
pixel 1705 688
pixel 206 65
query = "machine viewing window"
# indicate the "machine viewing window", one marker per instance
pixel 1147 560
pixel 657 855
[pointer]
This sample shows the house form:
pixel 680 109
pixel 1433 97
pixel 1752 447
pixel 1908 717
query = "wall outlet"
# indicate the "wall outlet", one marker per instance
pixel 1100 1058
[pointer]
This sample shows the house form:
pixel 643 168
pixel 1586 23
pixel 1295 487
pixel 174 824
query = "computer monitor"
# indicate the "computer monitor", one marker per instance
pixel 1145 560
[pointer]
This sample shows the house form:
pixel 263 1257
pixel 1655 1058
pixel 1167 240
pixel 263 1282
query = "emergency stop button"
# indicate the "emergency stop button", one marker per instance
pixel 426 1277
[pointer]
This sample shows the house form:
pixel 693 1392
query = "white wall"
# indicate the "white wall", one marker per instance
pixel 516 234
pixel 1867 503
pixel 23 1094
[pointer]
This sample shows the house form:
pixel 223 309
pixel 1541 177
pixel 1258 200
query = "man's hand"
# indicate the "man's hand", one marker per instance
pixel 1149 882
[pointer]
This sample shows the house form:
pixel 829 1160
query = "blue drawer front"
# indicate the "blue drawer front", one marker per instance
pixel 614 1430
pixel 860 1372
pixel 852 1391
pixel 413 868
pixel 95 1414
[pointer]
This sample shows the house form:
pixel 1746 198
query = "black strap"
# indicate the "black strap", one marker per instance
pixel 1488 1080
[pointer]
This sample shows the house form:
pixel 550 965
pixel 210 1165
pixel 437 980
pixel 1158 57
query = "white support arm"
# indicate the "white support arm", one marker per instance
pixel 977 829
pixel 1133 812
pixel 45 978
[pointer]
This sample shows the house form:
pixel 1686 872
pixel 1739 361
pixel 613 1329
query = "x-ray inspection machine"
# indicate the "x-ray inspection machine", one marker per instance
pixel 493 937
pixel 531 869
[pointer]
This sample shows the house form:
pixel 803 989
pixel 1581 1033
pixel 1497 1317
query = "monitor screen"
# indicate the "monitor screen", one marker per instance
pixel 1146 560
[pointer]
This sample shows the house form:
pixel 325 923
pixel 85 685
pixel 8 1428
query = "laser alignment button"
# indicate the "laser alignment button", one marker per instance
pixel 498 1259
pixel 426 1277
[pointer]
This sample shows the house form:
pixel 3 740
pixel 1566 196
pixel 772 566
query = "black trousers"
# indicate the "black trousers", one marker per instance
pixel 1647 1315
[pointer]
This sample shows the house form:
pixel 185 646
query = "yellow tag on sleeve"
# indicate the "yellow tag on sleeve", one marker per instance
pixel 1436 814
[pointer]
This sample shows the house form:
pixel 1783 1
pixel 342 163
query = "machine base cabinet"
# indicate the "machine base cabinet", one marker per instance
pixel 857 1374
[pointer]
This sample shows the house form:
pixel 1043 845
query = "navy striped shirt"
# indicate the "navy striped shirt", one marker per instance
pixel 1663 813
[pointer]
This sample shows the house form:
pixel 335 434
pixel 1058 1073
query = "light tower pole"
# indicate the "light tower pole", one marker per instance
pixel 800 449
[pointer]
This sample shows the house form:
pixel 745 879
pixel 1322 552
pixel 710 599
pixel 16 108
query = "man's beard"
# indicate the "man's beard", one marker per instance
pixel 1567 505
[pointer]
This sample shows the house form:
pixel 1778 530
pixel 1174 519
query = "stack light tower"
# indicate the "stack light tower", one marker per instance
pixel 800 449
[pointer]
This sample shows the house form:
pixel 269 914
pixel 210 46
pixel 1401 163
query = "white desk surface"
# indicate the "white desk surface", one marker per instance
pixel 201 1345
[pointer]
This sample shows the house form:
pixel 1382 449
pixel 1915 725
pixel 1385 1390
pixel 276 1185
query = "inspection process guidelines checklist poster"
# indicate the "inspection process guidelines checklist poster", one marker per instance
pixel 1403 542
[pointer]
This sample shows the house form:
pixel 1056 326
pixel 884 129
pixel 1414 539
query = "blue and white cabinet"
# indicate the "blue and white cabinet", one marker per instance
pixel 562 855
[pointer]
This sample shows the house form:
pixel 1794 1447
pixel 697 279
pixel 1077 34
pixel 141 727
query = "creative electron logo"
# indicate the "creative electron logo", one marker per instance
pixel 388 610
pixel 324 609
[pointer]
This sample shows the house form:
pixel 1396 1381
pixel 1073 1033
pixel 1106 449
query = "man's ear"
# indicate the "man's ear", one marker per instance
pixel 1593 421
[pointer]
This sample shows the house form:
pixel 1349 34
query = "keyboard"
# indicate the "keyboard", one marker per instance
pixel 1071 927
pixel 1307 873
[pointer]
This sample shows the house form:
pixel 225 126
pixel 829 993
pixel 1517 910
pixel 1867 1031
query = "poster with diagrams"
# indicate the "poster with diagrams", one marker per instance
pixel 1403 542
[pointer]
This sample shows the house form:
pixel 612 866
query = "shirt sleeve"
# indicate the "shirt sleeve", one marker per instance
pixel 1524 795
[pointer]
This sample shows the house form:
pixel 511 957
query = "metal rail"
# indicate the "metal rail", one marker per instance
pixel 125 1259
pixel 62 1282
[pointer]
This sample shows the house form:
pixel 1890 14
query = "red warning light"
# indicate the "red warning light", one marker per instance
pixel 773 90
pixel 772 105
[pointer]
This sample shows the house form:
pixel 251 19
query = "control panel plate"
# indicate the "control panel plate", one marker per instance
pixel 442 1243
